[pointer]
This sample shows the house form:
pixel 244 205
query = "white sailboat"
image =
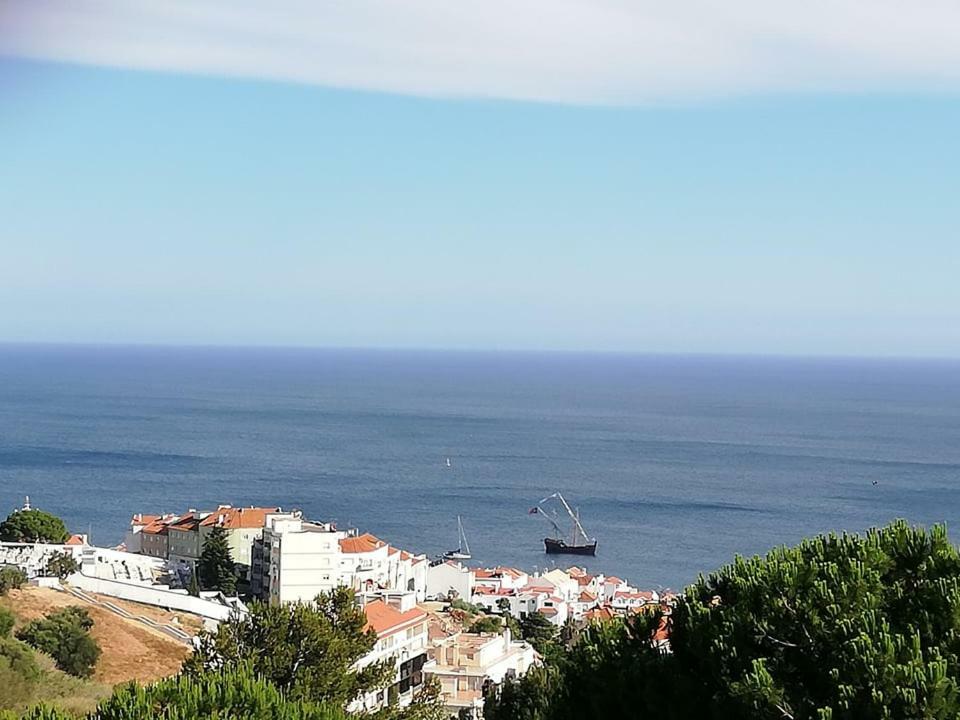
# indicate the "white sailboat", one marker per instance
pixel 463 547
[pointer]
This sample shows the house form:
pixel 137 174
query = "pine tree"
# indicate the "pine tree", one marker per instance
pixel 216 567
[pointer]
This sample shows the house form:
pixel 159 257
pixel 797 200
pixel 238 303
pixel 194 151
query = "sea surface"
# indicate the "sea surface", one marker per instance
pixel 676 463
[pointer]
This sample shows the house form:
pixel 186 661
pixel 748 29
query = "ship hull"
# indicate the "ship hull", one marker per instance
pixel 559 547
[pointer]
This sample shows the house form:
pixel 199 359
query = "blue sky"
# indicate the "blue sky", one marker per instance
pixel 171 207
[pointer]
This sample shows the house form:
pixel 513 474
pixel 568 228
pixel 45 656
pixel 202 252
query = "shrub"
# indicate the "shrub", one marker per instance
pixel 485 624
pixel 19 673
pixel 11 578
pixel 61 565
pixel 7 621
pixel 64 636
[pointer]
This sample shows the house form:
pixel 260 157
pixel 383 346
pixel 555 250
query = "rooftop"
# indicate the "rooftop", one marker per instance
pixel 233 518
pixel 361 543
pixel 386 620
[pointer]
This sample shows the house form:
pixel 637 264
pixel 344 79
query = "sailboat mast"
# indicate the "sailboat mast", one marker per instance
pixel 576 520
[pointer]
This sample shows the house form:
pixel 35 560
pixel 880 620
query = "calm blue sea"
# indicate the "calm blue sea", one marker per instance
pixel 676 463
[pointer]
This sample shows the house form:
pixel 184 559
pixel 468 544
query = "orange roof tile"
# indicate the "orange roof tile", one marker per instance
pixel 233 518
pixel 75 540
pixel 587 596
pixel 386 620
pixel 600 613
pixel 361 543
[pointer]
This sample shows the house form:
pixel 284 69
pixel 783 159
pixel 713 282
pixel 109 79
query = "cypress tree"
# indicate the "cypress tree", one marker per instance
pixel 216 567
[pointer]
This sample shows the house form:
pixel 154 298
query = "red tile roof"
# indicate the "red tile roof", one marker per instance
pixel 361 543
pixel 386 620
pixel 233 518
pixel 600 613
pixel 587 597
pixel 75 540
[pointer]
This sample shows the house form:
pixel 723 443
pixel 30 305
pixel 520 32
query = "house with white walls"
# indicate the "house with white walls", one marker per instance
pixel 448 580
pixel 402 636
pixel 466 664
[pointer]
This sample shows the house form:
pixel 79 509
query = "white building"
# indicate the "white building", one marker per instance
pixel 448 580
pixel 402 633
pixel 465 664
pixel 297 560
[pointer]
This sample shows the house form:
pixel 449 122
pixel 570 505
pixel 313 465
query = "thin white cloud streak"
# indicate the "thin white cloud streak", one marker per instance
pixel 571 51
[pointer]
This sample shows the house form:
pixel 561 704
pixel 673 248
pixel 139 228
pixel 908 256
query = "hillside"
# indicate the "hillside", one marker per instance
pixel 131 650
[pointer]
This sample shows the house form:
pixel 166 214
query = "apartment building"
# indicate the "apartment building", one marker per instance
pixel 402 635
pixel 467 664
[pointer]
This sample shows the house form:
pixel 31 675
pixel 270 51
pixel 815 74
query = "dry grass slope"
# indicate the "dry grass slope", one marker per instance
pixel 131 650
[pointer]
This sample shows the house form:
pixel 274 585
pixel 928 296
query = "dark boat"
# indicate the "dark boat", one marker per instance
pixel 580 543
pixel 559 547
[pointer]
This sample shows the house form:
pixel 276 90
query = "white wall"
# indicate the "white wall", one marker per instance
pixel 152 595
pixel 444 577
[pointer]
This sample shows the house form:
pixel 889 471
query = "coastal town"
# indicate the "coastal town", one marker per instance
pixel 423 610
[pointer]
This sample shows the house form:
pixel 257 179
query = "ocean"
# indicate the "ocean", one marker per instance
pixel 676 463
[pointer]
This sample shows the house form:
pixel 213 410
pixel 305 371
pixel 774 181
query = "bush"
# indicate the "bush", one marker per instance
pixel 64 636
pixel 485 624
pixel 19 673
pixel 11 578
pixel 61 565
pixel 463 605
pixel 7 621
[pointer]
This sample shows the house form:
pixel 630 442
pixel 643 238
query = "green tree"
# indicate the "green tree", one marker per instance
pixel 308 652
pixel 841 627
pixel 486 624
pixel 216 567
pixel 542 634
pixel 7 621
pixel 233 694
pixel 11 578
pixel 32 526
pixel 61 565
pixel 19 673
pixel 65 636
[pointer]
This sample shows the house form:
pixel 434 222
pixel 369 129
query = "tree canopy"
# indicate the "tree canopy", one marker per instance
pixel 306 651
pixel 840 627
pixel 64 635
pixel 32 526
pixel 216 567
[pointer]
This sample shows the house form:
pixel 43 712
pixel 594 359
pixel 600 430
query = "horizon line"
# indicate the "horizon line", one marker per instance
pixel 475 350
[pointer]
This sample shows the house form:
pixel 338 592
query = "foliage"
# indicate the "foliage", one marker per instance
pixel 64 635
pixel 486 624
pixel 464 606
pixel 543 635
pixel 306 651
pixel 233 695
pixel 33 526
pixel 236 694
pixel 427 705
pixel 19 673
pixel 11 578
pixel 838 628
pixel 216 567
pixel 7 621
pixel 61 565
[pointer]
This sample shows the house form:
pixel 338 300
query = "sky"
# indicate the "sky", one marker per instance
pixel 605 175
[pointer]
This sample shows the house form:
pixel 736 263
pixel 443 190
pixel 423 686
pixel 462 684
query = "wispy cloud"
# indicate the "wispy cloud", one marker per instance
pixel 575 51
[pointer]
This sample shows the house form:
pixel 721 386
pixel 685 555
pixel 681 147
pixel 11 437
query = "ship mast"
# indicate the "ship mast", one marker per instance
pixel 577 527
